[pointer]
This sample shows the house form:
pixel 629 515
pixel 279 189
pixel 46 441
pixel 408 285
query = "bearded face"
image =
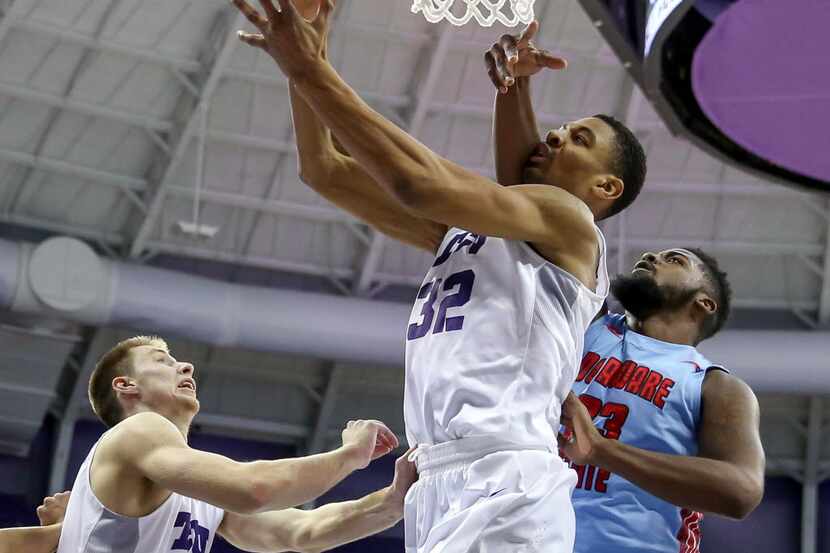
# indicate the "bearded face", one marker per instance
pixel 641 295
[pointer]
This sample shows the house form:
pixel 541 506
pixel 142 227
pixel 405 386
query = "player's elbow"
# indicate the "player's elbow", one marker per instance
pixel 744 498
pixel 304 538
pixel 255 495
pixel 421 191
pixel 315 171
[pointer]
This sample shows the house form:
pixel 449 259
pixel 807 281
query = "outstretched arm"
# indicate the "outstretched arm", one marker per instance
pixel 42 539
pixel 511 62
pixel 339 178
pixel 154 447
pixel 426 184
pixel 343 182
pixel 325 527
pixel 727 476
pixel 38 539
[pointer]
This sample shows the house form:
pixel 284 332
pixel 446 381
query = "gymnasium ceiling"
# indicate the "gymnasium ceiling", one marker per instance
pixel 100 133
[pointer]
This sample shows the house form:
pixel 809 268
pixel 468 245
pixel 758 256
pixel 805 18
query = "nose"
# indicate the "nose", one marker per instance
pixel 555 138
pixel 186 369
pixel 650 257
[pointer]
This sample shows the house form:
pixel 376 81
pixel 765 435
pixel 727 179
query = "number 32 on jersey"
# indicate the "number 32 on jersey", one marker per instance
pixel 454 291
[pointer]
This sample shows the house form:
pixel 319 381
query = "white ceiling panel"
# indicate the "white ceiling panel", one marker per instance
pixel 131 50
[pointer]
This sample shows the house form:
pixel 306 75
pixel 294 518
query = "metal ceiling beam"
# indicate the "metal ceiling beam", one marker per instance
pixel 70 36
pixel 274 207
pixel 15 10
pixel 27 186
pixel 188 65
pixel 61 167
pixel 136 184
pixel 105 237
pixel 85 108
pixel 809 499
pixel 212 76
pixel 824 301
pixel 372 259
pixel 250 260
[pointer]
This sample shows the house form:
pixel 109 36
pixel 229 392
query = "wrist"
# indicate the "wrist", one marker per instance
pixel 391 503
pixel 351 456
pixel 602 451
pixel 312 73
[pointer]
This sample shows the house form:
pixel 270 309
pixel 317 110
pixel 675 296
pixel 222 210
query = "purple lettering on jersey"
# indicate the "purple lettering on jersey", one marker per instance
pixel 430 292
pixel 194 538
pixel 185 540
pixel 464 280
pixel 473 243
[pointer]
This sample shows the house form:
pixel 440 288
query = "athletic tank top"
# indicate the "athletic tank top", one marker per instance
pixel 494 342
pixel 180 524
pixel 645 393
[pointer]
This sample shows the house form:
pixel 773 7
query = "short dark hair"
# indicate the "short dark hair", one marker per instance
pixel 628 163
pixel 722 291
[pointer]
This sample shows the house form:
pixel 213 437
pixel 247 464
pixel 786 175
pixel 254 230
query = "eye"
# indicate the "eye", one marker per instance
pixel 674 260
pixel 580 139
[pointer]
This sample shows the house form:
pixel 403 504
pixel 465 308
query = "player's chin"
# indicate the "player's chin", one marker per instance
pixel 533 174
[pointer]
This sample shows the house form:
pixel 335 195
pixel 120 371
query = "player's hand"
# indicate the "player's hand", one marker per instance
pixel 295 43
pixel 405 476
pixel 53 509
pixel 308 9
pixel 582 438
pixel 515 56
pixel 368 440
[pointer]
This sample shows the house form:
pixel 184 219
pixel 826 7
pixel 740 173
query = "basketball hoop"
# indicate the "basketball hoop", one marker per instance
pixel 485 12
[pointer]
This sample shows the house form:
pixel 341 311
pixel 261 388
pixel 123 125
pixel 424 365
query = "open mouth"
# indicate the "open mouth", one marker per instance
pixel 188 385
pixel 643 266
pixel 540 154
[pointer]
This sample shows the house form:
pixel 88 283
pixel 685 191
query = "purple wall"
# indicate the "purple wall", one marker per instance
pixel 773 528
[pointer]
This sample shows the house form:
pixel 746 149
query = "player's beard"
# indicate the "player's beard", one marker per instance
pixel 640 295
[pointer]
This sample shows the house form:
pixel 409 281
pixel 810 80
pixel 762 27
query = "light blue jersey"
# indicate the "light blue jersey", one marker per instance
pixel 645 393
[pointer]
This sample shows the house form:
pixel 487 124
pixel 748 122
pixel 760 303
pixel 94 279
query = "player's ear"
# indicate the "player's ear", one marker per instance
pixel 609 187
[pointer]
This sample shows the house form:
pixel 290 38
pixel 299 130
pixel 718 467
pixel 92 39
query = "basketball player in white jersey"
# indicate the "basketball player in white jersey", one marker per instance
pixel 496 333
pixel 141 489
pixel 38 539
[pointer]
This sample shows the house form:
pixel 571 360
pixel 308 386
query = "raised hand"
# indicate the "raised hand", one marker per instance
pixel 368 440
pixel 295 43
pixel 515 56
pixel 53 509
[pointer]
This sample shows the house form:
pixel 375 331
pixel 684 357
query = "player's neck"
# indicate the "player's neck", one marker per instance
pixel 672 327
pixel 181 421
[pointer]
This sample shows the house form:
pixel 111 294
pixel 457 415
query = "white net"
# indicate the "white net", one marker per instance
pixel 485 12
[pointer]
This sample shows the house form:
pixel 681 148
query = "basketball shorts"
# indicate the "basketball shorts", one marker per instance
pixel 485 495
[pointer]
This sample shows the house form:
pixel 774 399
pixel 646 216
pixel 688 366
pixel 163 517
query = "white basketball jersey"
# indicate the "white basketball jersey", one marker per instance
pixel 494 342
pixel 179 524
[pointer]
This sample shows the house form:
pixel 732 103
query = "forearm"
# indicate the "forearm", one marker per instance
pixel 289 482
pixel 316 153
pixel 41 539
pixel 340 523
pixel 395 160
pixel 696 483
pixel 515 131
